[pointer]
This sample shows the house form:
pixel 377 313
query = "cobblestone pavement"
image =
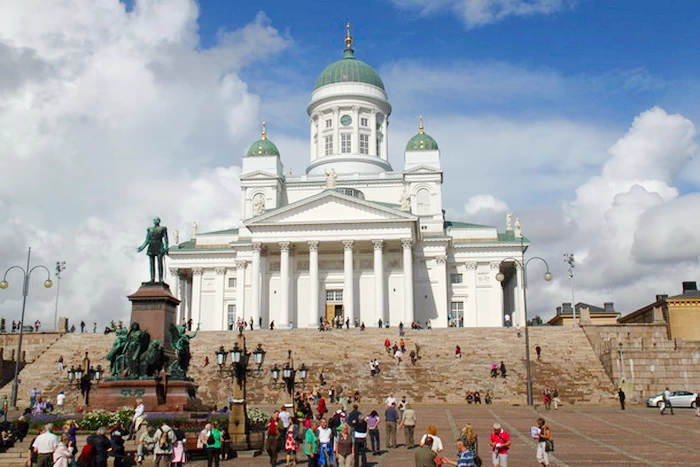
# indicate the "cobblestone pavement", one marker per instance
pixel 584 435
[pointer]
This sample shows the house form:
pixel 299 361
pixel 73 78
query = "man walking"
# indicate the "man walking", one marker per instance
pixel 44 445
pixel 391 417
pixel 408 422
pixel 500 443
pixel 666 404
pixel 163 449
pixel 621 395
pixel 360 435
pixel 424 456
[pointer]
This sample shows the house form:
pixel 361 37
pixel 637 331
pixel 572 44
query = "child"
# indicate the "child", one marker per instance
pixel 290 445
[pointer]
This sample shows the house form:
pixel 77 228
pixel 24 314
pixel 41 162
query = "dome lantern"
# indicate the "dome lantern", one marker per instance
pixel 263 147
pixel 421 141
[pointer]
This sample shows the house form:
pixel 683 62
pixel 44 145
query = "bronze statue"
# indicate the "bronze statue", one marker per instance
pixel 116 354
pixel 134 355
pixel 181 344
pixel 157 242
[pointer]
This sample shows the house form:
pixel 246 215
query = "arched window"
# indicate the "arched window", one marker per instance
pixel 423 201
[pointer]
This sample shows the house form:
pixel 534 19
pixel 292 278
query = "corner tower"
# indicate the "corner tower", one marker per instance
pixel 349 118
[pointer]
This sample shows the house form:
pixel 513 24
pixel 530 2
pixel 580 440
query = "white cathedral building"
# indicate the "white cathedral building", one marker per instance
pixel 351 237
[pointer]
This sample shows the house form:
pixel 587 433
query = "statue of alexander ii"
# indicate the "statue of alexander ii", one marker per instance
pixel 157 243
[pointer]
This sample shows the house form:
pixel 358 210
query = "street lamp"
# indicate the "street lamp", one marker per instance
pixel 221 357
pixel 25 291
pixel 569 259
pixel 60 267
pixel 500 277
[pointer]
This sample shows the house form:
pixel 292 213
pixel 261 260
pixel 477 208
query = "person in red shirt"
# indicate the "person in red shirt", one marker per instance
pixel 271 444
pixel 387 346
pixel 500 443
pixel 321 407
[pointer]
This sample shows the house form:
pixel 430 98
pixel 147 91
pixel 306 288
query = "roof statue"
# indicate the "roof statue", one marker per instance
pixel 194 230
pixel 509 221
pixel 405 201
pixel 177 236
pixel 157 243
pixel 518 232
pixel 331 177
pixel 259 204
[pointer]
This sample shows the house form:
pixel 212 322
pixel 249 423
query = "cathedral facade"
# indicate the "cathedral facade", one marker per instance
pixel 351 238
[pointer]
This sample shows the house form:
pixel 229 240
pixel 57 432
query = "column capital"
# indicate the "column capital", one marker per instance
pixel 348 244
pixel 239 264
pixel 441 259
pixel 220 270
pixel 336 110
pixel 285 246
pixel 175 272
pixel 257 246
pixel 355 108
pixel 378 244
pixel 471 265
pixel 197 271
pixel 313 245
pixel 407 243
pixel 495 265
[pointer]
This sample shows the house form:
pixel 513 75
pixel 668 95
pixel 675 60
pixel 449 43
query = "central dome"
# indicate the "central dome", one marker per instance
pixel 349 70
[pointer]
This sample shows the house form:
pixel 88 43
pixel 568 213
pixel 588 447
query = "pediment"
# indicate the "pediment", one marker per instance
pixel 331 207
pixel 258 175
pixel 422 169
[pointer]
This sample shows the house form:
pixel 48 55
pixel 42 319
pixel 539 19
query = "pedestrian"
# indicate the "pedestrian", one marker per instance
pixel 213 445
pixel 503 369
pixel 373 429
pixel 206 360
pixel 101 446
pixel 465 458
pixel 547 399
pixel 494 370
pixel 146 444
pixel 470 439
pixel 63 455
pixel 291 446
pixel 60 400
pixel 45 444
pixel 344 447
pixel 117 448
pixel 555 398
pixel 179 458
pixel 544 436
pixel 165 441
pixel 425 456
pixel 273 431
pixel 380 323
pixel 33 395
pixel 325 442
pixel 360 437
pixel 402 344
pixel 82 326
pixel 666 404
pixel 311 444
pixel 458 352
pixel 391 418
pixel 500 443
pixel 408 422
pixel 401 330
pixel 431 432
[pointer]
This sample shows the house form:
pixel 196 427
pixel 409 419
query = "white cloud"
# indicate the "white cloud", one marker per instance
pixel 108 118
pixel 484 203
pixel 477 13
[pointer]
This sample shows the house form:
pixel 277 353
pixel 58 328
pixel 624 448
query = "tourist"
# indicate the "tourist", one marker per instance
pixel 538 349
pixel 431 432
pixel 37 325
pixel 290 446
pixel 285 417
pixel 389 401
pixel 412 354
pixel 203 435
pixel 72 328
pixel 621 396
pixel 408 422
pixel 360 437
pixel 94 328
pixel 22 427
pixel 500 443
pixel 387 346
pixel 402 404
pixel 380 323
pixel 213 446
pixel 398 355
pixel 165 440
pixel 666 402
pixel 4 408
pixel 14 326
pixel 33 394
pixel 465 458
pixel 362 328
pixel 137 419
pixel 470 439
pixel 458 352
pixel 356 396
pixel 344 448
pixel 321 408
pixel 145 444
pixel 477 397
pixel 116 449
pixel 273 431
pixel 60 400
pixel 60 364
pixel 272 325
pixel 82 326
pixel 487 398
pixel 425 456
pixel 391 417
pixel 555 398
pixel 373 430
pixel 494 370
pixel 544 435
pixel 225 444
pixel 311 443
pixel 70 429
pixel 179 459
pixel 325 452
pixel 503 369
pixel 45 444
pixel 100 447
pixel 353 417
pixel 401 329
pixel 347 324
pixel 63 455
pixel 547 399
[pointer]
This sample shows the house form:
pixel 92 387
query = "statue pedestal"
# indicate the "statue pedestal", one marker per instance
pixel 172 396
pixel 154 308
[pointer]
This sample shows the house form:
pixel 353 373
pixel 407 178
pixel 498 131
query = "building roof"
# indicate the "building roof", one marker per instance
pixel 263 146
pixel 349 70
pixel 466 225
pixel 222 232
pixel 421 141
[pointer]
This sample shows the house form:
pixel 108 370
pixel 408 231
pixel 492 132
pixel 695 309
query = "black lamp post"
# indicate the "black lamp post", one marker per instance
pixel 221 357
pixel 289 373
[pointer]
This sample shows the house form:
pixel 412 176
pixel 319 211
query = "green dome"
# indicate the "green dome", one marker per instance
pixel 421 142
pixel 349 70
pixel 263 146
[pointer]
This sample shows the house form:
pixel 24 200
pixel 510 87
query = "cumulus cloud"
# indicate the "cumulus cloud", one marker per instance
pixel 109 117
pixel 477 13
pixel 484 203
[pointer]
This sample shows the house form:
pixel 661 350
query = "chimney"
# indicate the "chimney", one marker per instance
pixel 690 287
pixel 566 310
pixel 558 310
pixel 661 297
pixel 609 308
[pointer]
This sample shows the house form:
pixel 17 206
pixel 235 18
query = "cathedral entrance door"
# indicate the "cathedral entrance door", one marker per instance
pixel 335 313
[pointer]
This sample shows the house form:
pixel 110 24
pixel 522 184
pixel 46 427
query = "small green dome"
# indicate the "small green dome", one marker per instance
pixel 263 146
pixel 421 142
pixel 349 70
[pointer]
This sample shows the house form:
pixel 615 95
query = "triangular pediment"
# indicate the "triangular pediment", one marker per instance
pixel 422 169
pixel 331 207
pixel 258 175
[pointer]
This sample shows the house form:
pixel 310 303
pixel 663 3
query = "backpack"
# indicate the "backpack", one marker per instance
pixel 164 441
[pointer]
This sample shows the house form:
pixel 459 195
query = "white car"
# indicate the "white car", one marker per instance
pixel 678 399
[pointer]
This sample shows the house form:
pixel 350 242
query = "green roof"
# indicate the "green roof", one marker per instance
pixel 222 232
pixel 263 147
pixel 349 70
pixel 509 236
pixel 465 225
pixel 421 142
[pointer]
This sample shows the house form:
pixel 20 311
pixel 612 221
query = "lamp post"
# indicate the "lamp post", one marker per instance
pixel 500 277
pixel 25 291
pixel 622 362
pixel 289 375
pixel 569 259
pixel 60 267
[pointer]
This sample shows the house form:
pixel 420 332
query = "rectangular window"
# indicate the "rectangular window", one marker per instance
pixel 379 147
pixel 363 122
pixel 231 317
pixel 231 282
pixel 328 140
pixel 456 318
pixel 345 143
pixel 329 123
pixel 364 144
pixel 456 278
pixel 334 295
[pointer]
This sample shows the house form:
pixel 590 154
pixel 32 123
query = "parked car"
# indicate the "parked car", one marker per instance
pixel 678 399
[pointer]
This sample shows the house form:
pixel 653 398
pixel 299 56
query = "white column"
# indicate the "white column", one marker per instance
pixel 255 285
pixel 284 284
pixel 184 308
pixel 320 126
pixel 219 300
pixel 336 131
pixel 379 281
pixel 408 313
pixel 385 141
pixel 519 298
pixel 355 130
pixel 471 310
pixel 240 289
pixel 441 302
pixel 175 290
pixel 313 130
pixel 196 295
pixel 498 294
pixel 348 290
pixel 373 136
pixel 313 284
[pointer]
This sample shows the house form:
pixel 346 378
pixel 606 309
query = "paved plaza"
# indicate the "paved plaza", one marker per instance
pixel 583 435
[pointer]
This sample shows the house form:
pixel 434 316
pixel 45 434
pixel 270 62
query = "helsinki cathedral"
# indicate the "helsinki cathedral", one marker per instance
pixel 356 236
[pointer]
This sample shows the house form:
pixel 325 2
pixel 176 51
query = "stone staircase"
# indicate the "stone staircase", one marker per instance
pixel 568 362
pixel 17 454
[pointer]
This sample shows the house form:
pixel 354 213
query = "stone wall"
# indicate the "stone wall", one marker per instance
pixel 33 344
